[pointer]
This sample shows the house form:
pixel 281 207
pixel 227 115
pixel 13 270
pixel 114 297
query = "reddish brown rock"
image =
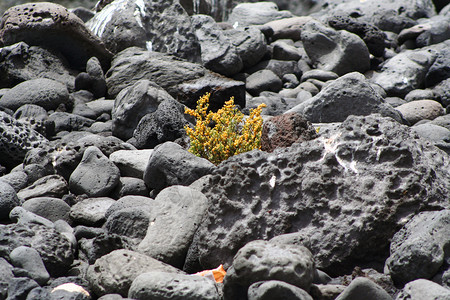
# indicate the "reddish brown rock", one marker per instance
pixel 284 130
pixel 54 27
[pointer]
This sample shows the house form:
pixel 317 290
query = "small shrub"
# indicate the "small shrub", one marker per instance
pixel 220 135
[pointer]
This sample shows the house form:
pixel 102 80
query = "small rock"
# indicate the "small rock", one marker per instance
pixel 130 186
pixel 29 260
pixel 131 163
pixel 258 13
pixel 95 176
pixel 415 111
pixel 52 209
pixel 91 211
pixel 419 95
pixel 365 288
pixel 48 186
pixel 8 200
pixel 288 28
pixel 318 74
pixel 264 80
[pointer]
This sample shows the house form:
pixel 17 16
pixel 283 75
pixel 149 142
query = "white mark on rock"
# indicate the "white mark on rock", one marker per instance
pixel 272 181
pixel 99 22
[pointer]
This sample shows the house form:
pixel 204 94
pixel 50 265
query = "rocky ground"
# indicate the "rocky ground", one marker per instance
pixel 348 198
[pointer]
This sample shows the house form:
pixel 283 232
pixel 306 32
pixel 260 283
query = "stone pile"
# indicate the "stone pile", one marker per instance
pixel 348 198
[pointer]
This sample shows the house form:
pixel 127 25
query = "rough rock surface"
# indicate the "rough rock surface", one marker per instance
pixel 8 200
pixel 161 25
pixel 418 249
pixel 16 139
pixel 338 51
pixel 259 13
pixel 134 102
pixel 21 62
pixel 53 26
pixel 313 189
pixel 284 130
pixel 273 289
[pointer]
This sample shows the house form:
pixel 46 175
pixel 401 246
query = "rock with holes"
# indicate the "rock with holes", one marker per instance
pixel 161 26
pixel 417 110
pixel 52 26
pixel 284 130
pixel 422 289
pixel 351 94
pixel 95 176
pixel 55 249
pixel 16 139
pixel 342 195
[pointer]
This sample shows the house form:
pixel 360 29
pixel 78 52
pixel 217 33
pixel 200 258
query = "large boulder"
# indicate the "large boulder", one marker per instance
pixel 62 31
pixel 343 195
pixel 21 62
pixel 348 95
pixel 161 25
pixel 183 80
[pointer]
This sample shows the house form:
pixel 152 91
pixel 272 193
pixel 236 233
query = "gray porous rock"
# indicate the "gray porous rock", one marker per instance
pixel 93 79
pixel 8 200
pixel 351 94
pixel 163 125
pixel 371 35
pixel 279 67
pixel 48 186
pixel 338 51
pixel 131 222
pixel 175 215
pixel 245 14
pixel 130 201
pixel 55 249
pixel 30 264
pixel 442 92
pixel 420 94
pixel 18 180
pixel 284 130
pixel 349 187
pixel 21 62
pixel 6 276
pixel 218 52
pixel 134 102
pixel 288 28
pixel 46 93
pixel 129 186
pixel 64 155
pixel 274 289
pixel 19 287
pixel 50 208
pixel 162 26
pixel 16 139
pixel 65 121
pixel 284 51
pixel 418 250
pixel 436 134
pixel 440 69
pixel 262 260
pixel 95 176
pixel 62 31
pixel 422 289
pixel 115 272
pixel 164 285
pixel 170 164
pixel 92 249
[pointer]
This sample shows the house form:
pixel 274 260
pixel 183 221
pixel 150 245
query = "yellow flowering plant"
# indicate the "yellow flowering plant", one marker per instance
pixel 220 135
